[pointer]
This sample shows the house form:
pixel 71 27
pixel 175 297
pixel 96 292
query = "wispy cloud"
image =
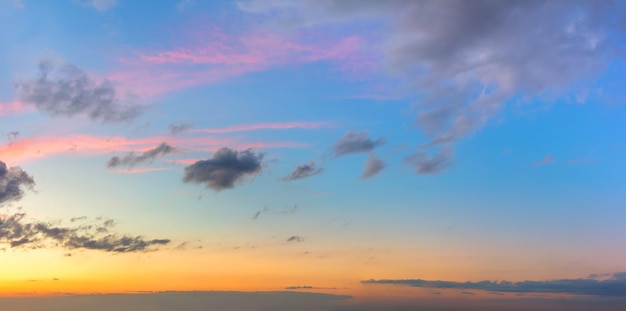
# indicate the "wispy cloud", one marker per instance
pixel 426 163
pixel 62 89
pixel 30 148
pixel 17 231
pixel 267 210
pixel 140 170
pixel 178 128
pixel 12 108
pixel 131 159
pixel 356 142
pixel 614 286
pixel 304 171
pixel 296 239
pixel 265 126
pixel 225 169
pixel 213 56
pixel 373 166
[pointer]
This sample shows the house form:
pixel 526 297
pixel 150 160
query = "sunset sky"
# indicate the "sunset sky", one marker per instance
pixel 376 151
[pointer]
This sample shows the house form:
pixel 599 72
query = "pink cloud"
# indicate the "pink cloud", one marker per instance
pixel 213 56
pixel 140 170
pixel 29 149
pixel 12 108
pixel 256 50
pixel 264 126
pixel 184 161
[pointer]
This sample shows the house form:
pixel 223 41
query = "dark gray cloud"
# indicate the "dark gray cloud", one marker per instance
pixel 62 89
pixel 176 129
pixel 466 60
pixel 426 163
pixel 373 166
pixel 13 182
pixel 225 169
pixel 295 238
pixel 304 171
pixel 17 231
pixel 615 286
pixel 356 142
pixel 130 160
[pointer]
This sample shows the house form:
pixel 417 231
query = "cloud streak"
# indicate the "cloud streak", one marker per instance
pixel 614 286
pixel 296 239
pixel 130 160
pixel 30 148
pixel 429 164
pixel 176 129
pixel 225 169
pixel 213 55
pixel 264 126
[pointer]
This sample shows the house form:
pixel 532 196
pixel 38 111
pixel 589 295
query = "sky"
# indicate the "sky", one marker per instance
pixel 330 155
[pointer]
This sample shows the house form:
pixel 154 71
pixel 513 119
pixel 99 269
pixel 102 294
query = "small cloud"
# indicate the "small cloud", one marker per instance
pixel 13 182
pixel 130 160
pixel 356 142
pixel 373 166
pixel 256 215
pixel 295 238
pixel 62 89
pixel 181 246
pixel 308 287
pixel 176 129
pixel 265 210
pixel 299 287
pixel 545 161
pixel 75 219
pixel 225 169
pixel 426 163
pixel 13 135
pixel 304 171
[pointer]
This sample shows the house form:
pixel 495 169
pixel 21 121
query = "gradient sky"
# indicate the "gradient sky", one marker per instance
pixel 377 149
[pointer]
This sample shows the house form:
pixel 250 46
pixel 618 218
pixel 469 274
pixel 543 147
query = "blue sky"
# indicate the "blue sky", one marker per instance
pixel 313 143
